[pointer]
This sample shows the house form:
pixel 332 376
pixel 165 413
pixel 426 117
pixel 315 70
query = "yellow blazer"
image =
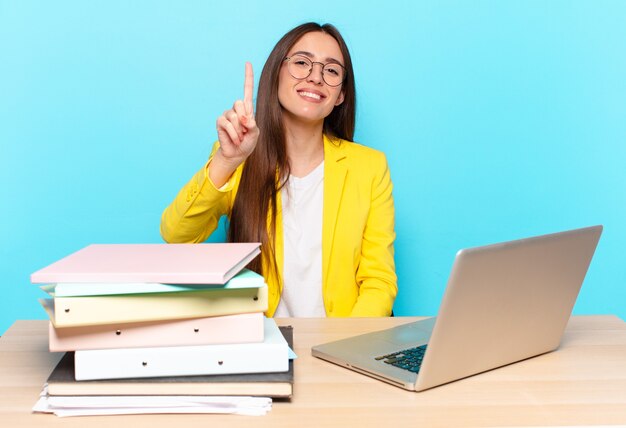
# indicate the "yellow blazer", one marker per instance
pixel 358 270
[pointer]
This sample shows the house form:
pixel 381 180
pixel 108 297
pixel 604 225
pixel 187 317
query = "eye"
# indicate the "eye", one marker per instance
pixel 333 70
pixel 301 62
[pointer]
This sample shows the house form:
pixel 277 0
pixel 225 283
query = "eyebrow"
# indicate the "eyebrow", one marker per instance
pixel 312 56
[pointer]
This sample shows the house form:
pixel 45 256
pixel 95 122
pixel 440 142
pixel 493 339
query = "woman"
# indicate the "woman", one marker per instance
pixel 290 178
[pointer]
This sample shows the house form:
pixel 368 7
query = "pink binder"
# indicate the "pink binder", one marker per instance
pixel 239 328
pixel 164 263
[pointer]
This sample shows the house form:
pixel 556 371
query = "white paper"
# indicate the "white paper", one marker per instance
pixel 65 406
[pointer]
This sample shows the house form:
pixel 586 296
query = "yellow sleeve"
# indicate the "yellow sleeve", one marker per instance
pixel 376 274
pixel 195 212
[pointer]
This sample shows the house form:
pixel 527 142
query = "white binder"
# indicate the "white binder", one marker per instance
pixel 271 355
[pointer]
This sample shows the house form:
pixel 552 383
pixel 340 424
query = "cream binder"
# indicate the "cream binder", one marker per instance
pixel 82 311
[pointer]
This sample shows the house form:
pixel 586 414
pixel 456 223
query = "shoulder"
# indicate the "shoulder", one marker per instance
pixel 356 154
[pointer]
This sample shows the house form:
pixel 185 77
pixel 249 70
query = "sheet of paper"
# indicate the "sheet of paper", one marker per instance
pixel 127 405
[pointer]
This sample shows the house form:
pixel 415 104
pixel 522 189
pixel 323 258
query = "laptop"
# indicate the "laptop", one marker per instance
pixel 503 303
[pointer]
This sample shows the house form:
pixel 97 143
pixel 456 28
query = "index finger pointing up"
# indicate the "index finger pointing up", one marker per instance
pixel 248 88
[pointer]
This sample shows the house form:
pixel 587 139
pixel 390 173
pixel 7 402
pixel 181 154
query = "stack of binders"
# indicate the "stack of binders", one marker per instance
pixel 163 319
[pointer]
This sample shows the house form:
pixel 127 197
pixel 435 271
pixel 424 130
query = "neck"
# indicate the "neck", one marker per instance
pixel 305 147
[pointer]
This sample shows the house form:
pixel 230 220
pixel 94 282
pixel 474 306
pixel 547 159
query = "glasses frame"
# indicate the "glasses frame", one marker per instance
pixel 345 72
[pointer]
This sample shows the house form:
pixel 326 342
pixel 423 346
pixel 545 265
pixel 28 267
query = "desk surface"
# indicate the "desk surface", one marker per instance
pixel 583 383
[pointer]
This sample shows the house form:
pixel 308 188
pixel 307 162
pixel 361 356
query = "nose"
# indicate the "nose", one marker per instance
pixel 316 76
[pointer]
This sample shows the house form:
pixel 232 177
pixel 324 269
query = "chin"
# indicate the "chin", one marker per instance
pixel 315 113
pixel 306 115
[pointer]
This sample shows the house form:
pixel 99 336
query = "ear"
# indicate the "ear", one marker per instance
pixel 340 99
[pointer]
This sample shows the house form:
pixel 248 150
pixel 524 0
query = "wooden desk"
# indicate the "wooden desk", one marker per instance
pixel 583 383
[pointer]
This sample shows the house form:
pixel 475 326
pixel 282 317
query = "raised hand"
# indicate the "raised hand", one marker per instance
pixel 237 133
pixel 236 128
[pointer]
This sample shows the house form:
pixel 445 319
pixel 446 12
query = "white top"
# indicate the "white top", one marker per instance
pixel 302 204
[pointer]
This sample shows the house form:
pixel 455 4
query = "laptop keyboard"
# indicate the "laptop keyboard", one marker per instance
pixel 408 359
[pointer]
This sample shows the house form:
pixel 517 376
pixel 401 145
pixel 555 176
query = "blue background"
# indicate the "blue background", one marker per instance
pixel 500 120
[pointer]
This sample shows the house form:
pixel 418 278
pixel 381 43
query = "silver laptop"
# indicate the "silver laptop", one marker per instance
pixel 503 303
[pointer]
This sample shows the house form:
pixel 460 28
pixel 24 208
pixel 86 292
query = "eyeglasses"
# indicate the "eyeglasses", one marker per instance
pixel 300 67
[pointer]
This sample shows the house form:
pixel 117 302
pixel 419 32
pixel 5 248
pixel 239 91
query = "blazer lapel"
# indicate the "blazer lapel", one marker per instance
pixel 335 171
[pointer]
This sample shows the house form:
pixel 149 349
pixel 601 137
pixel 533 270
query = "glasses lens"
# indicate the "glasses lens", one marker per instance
pixel 299 67
pixel 333 74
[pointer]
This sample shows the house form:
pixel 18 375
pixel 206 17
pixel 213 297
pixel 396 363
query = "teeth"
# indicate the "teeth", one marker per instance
pixel 310 95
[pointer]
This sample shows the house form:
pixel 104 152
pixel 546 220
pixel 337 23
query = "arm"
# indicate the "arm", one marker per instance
pixel 376 274
pixel 197 209
pixel 195 212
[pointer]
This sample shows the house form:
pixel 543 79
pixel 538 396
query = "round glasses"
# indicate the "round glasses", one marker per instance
pixel 300 67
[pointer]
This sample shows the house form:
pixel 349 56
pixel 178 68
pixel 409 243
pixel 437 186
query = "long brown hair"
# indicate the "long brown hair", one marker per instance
pixel 266 169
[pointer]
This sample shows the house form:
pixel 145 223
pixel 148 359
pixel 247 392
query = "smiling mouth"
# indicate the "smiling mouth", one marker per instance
pixel 310 95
